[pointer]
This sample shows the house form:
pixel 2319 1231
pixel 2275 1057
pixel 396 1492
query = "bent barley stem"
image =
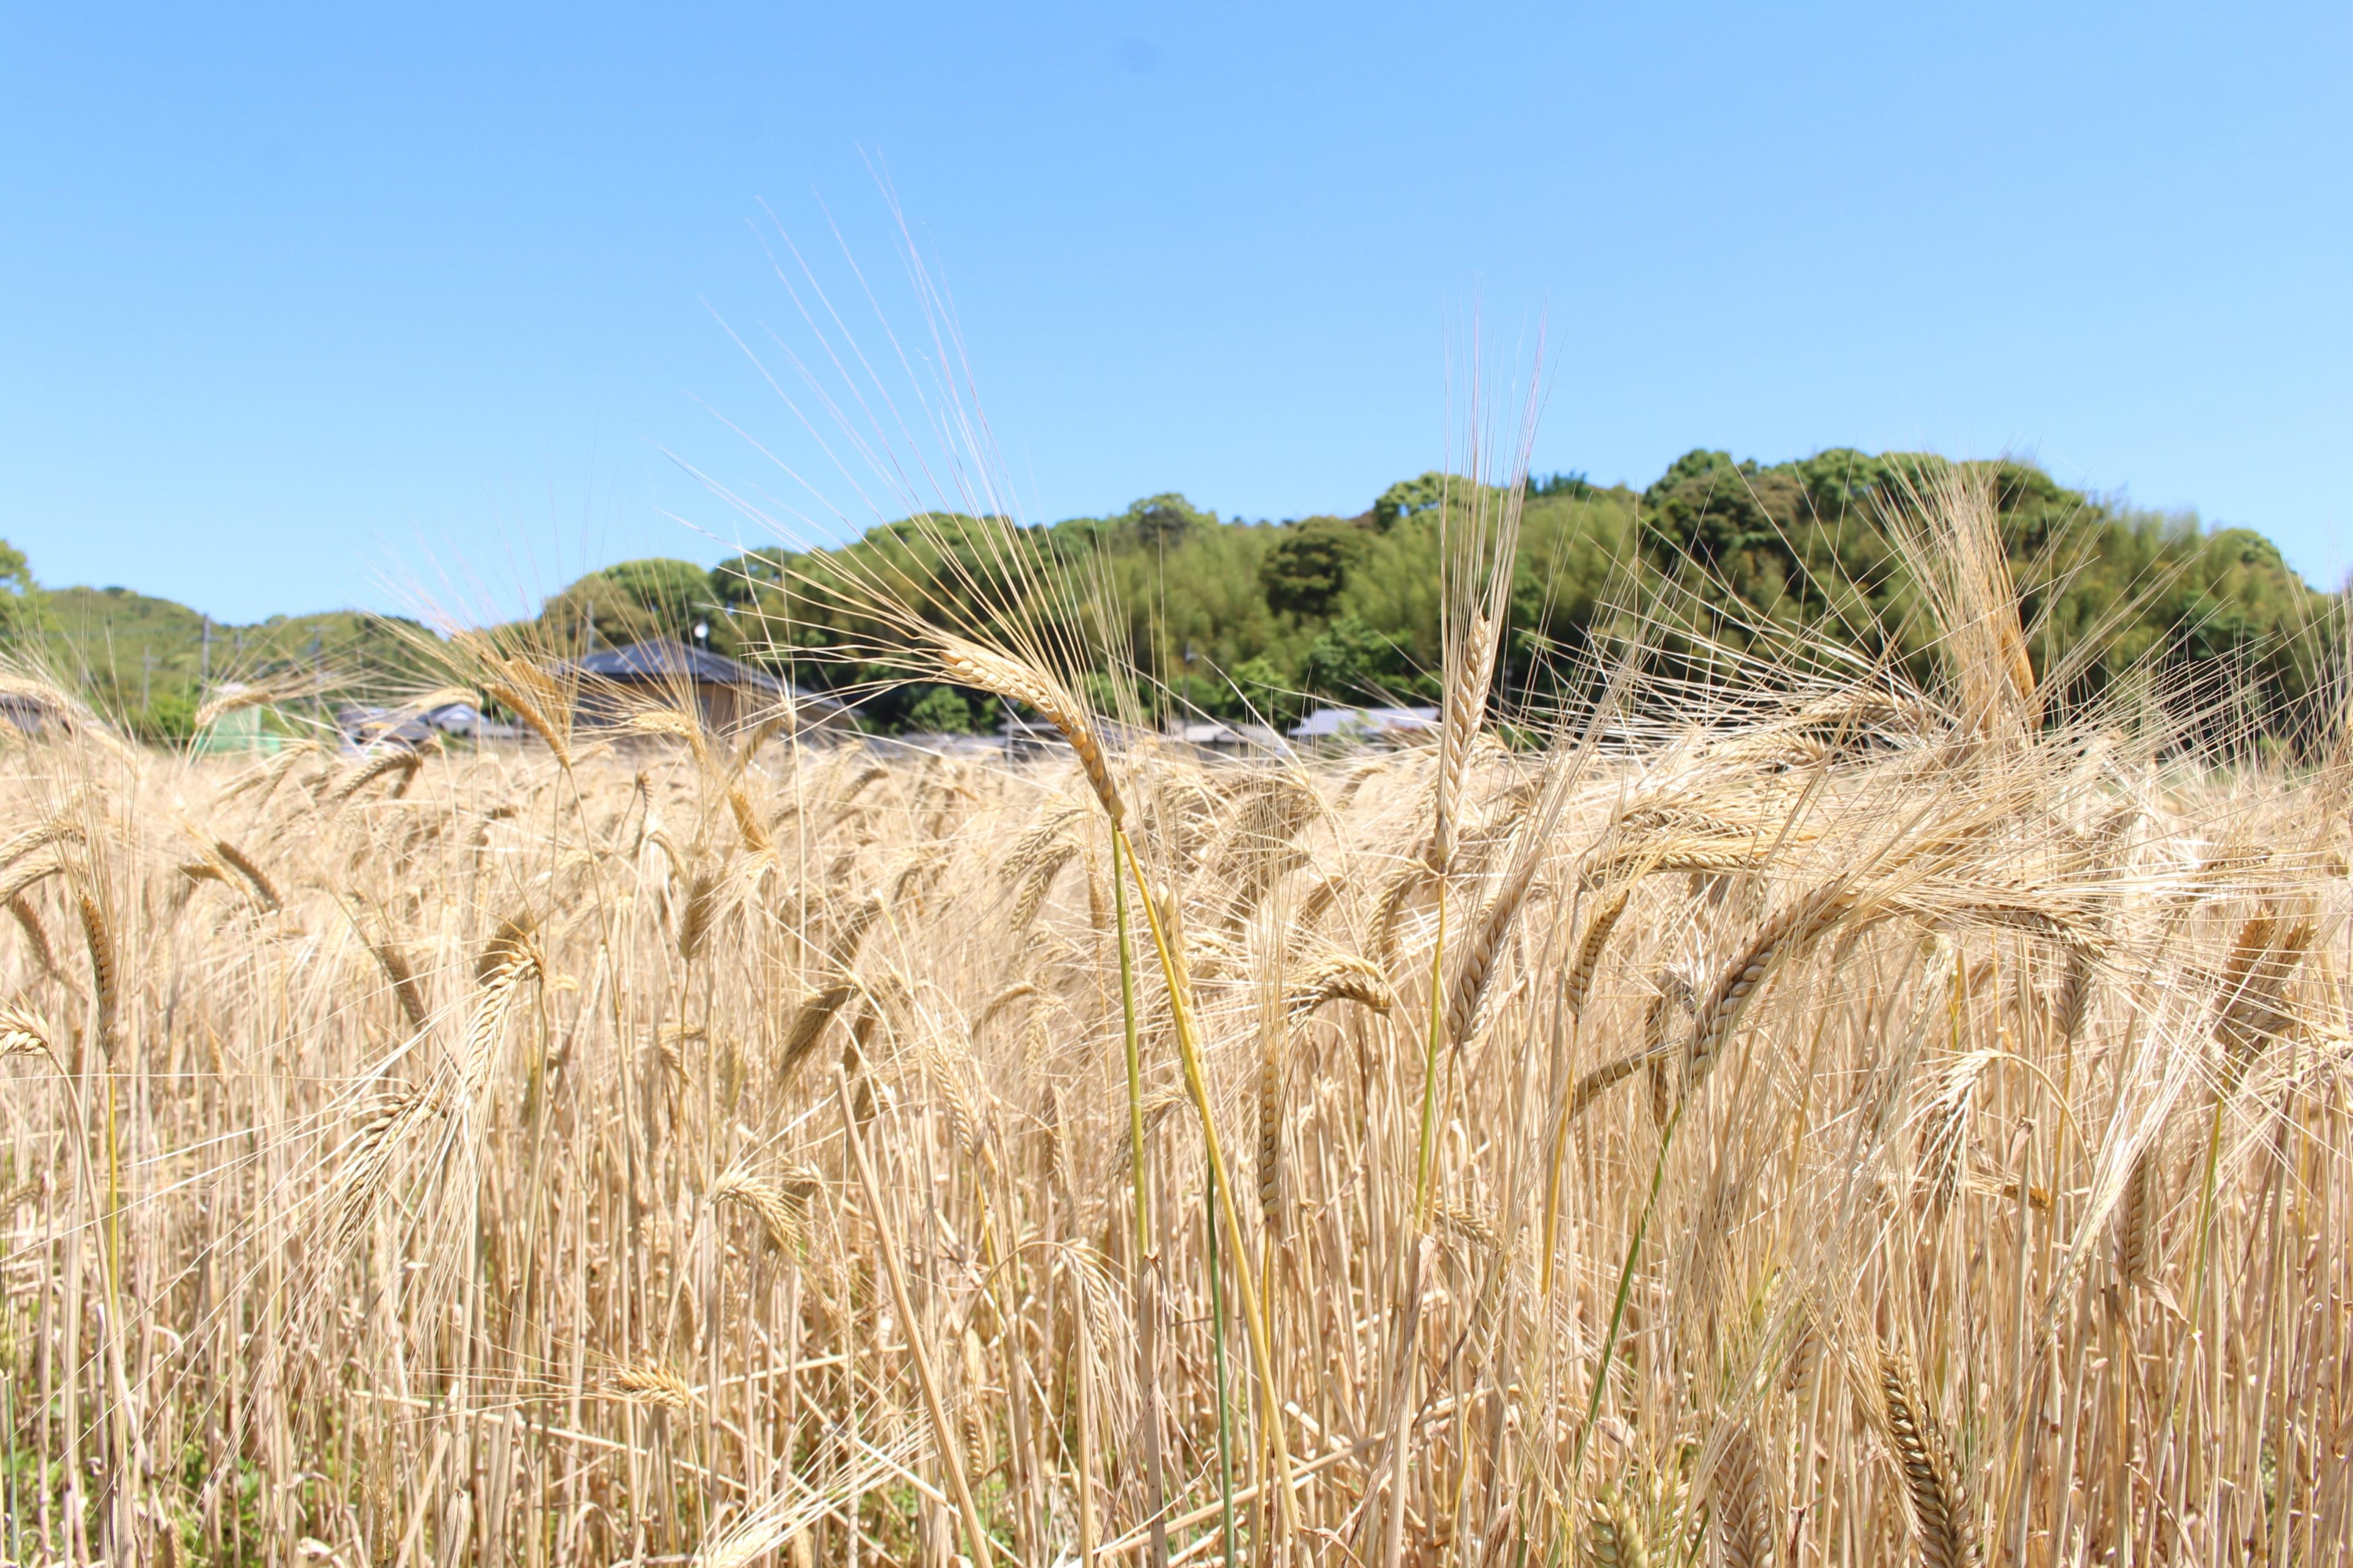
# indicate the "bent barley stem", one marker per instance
pixel 1134 1056
pixel 1189 1057
pixel 1147 1297
pixel 1625 1288
pixel 927 1381
pixel 1423 1171
pixel 1225 1423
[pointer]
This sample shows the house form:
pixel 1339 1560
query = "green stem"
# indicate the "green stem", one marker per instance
pixel 1147 1297
pixel 1188 1056
pixel 1424 1170
pixel 1135 1049
pixel 2198 1273
pixel 1218 1338
pixel 1625 1288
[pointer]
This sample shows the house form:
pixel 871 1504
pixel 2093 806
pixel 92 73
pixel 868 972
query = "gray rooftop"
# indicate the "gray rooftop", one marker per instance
pixel 658 659
pixel 1336 723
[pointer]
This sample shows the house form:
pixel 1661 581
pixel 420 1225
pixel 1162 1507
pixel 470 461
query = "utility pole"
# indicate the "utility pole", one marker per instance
pixel 146 674
pixel 205 668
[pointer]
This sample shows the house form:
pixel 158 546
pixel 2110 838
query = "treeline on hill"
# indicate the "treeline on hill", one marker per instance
pixel 1235 619
pixel 150 661
pixel 1232 619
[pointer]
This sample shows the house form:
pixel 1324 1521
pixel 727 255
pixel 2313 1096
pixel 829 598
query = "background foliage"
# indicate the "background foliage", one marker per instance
pixel 1233 619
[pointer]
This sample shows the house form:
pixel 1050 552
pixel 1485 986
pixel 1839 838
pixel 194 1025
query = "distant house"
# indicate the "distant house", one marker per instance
pixel 1365 726
pixel 364 726
pixel 1232 740
pixel 29 711
pixel 1026 738
pixel 729 695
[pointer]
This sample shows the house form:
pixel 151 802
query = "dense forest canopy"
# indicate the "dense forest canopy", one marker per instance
pixel 1720 558
pixel 1230 618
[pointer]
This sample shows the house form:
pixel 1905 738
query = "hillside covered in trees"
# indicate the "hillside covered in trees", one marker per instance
pixel 1228 618
pixel 1232 618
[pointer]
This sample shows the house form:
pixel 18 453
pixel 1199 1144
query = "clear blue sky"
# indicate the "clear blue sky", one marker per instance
pixel 298 303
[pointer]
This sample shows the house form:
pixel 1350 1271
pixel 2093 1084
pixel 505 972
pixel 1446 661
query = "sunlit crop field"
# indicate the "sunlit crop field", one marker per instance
pixel 1816 1122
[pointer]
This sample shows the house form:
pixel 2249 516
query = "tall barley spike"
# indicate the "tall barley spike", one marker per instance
pixel 1932 1483
pixel 969 664
pixel 383 764
pixel 37 936
pixel 809 1020
pixel 24 1032
pixel 1743 1518
pixel 1614 1533
pixel 2135 1222
pixel 510 959
pixel 1775 940
pixel 780 1217
pixel 1606 912
pixel 104 968
pixel 405 986
pixel 244 864
pixel 650 1383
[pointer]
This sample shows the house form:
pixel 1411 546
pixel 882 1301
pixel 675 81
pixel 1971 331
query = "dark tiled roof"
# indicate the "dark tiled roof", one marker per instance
pixel 667 658
pixel 657 661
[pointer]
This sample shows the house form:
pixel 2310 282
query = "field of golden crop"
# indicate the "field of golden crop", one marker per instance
pixel 1820 1123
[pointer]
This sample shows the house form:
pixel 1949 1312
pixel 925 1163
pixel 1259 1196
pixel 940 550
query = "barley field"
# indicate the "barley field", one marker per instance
pixel 1794 1118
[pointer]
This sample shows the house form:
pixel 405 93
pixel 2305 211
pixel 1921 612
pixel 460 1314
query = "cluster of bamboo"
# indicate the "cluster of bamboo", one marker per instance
pixel 1823 1121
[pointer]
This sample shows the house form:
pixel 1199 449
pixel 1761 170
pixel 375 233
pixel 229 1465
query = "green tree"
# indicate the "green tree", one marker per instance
pixel 596 613
pixel 1266 693
pixel 168 720
pixel 739 582
pixel 1163 520
pixel 1353 661
pixel 20 597
pixel 1408 497
pixel 634 600
pixel 1777 559
pixel 1306 569
pixel 661 585
pixel 941 709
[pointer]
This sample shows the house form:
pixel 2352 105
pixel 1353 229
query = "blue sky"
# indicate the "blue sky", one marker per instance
pixel 302 307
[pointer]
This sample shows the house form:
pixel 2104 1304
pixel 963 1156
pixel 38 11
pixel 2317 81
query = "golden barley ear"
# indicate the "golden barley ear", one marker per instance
pixel 2137 1217
pixel 511 958
pixel 1036 858
pixel 757 839
pixel 265 892
pixel 512 948
pixel 2264 956
pixel 782 1218
pixel 969 664
pixel 1272 1065
pixel 59 827
pixel 1614 1533
pixel 1779 938
pixel 104 969
pixel 405 986
pixel 535 699
pixel 24 1032
pixel 808 1028
pixel 1607 913
pixel 372 1155
pixel 652 1384
pixel 694 923
pixel 400 761
pixel 37 936
pixel 1932 1482
pixel 1743 1523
